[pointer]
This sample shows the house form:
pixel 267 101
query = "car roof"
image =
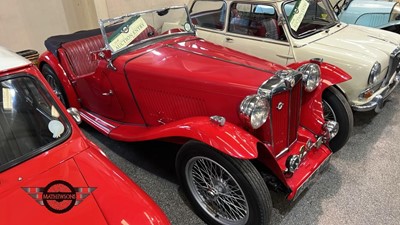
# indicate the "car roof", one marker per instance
pixel 9 60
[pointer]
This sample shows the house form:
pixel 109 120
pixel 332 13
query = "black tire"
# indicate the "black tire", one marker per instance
pixel 55 83
pixel 337 108
pixel 226 182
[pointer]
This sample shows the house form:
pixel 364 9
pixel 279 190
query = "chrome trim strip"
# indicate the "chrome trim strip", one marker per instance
pixel 284 80
pixel 253 38
pixel 282 152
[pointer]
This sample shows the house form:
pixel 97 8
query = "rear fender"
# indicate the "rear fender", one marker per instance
pixel 312 114
pixel 48 58
pixel 229 138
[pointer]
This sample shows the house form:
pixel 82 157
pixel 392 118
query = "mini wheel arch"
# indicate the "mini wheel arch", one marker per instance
pixel 222 189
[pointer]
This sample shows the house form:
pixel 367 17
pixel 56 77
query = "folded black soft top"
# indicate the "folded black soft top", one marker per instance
pixel 54 42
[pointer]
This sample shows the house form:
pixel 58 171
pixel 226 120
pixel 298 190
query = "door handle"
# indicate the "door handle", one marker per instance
pixel 228 39
pixel 110 92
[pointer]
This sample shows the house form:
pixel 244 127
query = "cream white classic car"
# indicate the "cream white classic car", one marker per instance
pixel 289 31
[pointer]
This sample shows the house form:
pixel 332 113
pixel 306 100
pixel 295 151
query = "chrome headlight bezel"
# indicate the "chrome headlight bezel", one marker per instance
pixel 311 76
pixel 374 73
pixel 254 110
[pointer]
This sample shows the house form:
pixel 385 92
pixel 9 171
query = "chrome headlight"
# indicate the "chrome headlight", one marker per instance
pixel 311 76
pixel 375 71
pixel 254 110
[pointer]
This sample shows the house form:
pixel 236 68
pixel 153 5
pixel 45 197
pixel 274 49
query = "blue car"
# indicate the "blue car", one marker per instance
pixel 384 14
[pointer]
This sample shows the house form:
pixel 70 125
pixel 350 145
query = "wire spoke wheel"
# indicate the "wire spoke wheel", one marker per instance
pixel 217 192
pixel 223 190
pixel 329 114
pixel 50 79
pixel 54 83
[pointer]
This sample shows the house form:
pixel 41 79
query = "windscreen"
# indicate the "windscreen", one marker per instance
pixel 307 17
pixel 136 28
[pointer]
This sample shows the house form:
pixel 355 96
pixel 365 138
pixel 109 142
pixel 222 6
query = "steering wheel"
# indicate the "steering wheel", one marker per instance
pixel 337 8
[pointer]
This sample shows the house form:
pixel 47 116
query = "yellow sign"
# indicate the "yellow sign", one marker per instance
pixel 298 14
pixel 127 33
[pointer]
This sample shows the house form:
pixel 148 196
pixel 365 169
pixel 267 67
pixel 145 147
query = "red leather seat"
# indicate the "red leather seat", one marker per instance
pixel 78 54
pixel 75 55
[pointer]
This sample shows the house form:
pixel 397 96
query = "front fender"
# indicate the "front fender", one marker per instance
pixel 48 58
pixel 312 112
pixel 229 138
pixel 330 74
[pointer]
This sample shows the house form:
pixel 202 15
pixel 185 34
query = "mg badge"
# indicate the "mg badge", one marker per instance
pixel 280 105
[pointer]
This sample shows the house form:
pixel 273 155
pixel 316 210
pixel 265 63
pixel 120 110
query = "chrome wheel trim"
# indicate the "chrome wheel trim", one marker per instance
pixel 329 114
pixel 216 191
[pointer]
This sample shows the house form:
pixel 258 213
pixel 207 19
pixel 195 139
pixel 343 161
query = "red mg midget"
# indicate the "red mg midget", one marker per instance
pixel 245 124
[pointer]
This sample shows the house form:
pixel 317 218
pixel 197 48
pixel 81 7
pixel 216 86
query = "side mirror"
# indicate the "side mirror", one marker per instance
pixel 75 114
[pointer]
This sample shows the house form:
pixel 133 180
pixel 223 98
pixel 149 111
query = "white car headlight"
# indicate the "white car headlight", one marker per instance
pixel 373 75
pixel 311 76
pixel 254 110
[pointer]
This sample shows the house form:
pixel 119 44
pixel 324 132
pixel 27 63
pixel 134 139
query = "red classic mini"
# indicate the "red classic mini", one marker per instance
pixel 49 172
pixel 245 124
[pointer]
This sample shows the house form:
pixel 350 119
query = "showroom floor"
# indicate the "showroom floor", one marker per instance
pixel 360 187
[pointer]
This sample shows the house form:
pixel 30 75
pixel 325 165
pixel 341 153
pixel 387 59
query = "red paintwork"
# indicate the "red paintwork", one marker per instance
pixel 170 88
pixel 310 163
pixel 312 114
pixel 241 143
pixel 120 199
pixel 82 164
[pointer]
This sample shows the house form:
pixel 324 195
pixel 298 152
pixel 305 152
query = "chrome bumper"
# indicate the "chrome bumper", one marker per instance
pixel 377 102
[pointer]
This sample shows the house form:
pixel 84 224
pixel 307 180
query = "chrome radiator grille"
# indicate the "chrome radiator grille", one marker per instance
pixel 393 66
pixel 285 116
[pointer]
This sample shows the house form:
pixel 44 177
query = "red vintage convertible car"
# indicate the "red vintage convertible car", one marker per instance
pixel 49 172
pixel 245 124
